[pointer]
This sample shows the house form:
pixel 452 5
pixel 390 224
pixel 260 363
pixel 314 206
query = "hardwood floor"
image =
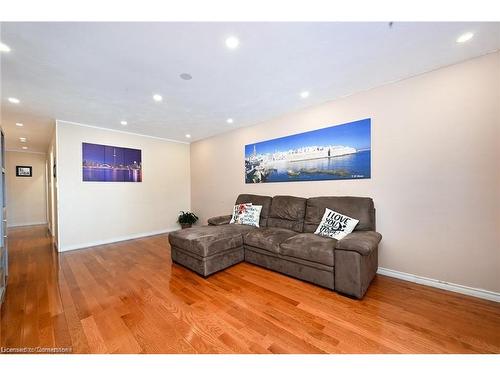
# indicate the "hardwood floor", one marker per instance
pixel 128 298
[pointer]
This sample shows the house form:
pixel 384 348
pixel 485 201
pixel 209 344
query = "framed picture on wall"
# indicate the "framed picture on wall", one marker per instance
pixel 339 152
pixel 111 163
pixel 23 171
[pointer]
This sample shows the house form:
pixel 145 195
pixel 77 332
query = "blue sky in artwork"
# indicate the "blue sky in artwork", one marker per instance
pixel 355 134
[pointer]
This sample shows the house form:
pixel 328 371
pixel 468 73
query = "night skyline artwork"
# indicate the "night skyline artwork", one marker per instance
pixel 110 163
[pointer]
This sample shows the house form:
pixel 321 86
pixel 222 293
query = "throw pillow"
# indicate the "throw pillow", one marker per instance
pixel 247 214
pixel 335 225
pixel 238 209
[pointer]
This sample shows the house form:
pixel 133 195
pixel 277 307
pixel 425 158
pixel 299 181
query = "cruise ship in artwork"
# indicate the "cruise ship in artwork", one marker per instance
pixel 304 153
pixel 313 152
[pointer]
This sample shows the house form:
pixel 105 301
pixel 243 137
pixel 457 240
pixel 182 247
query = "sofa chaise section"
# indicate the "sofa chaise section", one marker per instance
pixel 211 248
pixel 208 249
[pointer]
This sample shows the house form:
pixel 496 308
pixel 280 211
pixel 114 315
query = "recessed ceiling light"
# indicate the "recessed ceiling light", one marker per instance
pixel 4 47
pixel 304 94
pixel 186 76
pixel 19 124
pixel 188 135
pixel 465 37
pixel 24 148
pixel 157 98
pixel 14 100
pixel 22 139
pixel 123 123
pixel 229 120
pixel 232 42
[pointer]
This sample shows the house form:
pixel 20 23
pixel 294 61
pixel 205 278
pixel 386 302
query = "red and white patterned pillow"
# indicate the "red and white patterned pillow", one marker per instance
pixel 247 214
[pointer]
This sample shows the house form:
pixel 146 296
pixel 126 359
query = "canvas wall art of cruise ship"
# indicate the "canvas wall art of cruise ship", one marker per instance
pixel 291 158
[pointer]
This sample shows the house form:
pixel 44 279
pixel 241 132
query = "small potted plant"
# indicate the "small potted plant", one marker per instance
pixel 186 219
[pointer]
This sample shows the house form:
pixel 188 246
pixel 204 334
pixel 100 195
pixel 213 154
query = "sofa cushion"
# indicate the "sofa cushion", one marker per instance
pixel 363 242
pixel 268 238
pixel 287 212
pixel 357 207
pixel 310 247
pixel 260 200
pixel 209 239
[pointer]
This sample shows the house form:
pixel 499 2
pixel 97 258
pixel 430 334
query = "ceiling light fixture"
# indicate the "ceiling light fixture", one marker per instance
pixel 157 98
pixel 22 139
pixel 465 37
pixel 232 42
pixel 229 120
pixel 14 100
pixel 304 94
pixel 19 124
pixel 123 123
pixel 188 135
pixel 186 76
pixel 4 47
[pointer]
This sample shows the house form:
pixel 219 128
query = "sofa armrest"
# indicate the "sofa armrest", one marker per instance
pixel 362 242
pixel 220 220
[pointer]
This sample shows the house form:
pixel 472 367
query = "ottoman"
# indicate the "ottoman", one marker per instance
pixel 208 249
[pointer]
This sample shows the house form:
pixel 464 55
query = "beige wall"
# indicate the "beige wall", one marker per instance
pixel 99 212
pixel 435 169
pixel 26 196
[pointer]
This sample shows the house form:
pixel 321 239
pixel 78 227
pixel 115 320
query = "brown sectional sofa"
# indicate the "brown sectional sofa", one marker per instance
pixel 286 243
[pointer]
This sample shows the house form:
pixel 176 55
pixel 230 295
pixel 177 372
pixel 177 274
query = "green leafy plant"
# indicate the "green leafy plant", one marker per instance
pixel 186 219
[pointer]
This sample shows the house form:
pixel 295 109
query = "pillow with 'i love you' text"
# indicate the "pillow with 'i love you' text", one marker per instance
pixel 335 225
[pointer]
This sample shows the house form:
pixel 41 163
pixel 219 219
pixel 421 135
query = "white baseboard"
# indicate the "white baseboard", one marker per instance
pixel 15 225
pixel 462 289
pixel 115 239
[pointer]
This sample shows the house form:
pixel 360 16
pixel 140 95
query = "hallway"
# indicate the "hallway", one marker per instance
pixel 33 315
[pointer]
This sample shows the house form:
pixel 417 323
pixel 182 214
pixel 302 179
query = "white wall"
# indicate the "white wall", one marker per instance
pixel 435 169
pixel 26 196
pixel 100 212
pixel 52 190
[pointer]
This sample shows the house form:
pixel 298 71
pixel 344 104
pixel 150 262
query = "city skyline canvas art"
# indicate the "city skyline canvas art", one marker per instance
pixel 110 163
pixel 338 152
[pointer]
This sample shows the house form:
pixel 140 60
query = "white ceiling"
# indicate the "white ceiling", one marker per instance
pixel 102 73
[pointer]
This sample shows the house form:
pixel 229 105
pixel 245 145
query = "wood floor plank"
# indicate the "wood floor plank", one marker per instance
pixel 95 340
pixel 128 297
